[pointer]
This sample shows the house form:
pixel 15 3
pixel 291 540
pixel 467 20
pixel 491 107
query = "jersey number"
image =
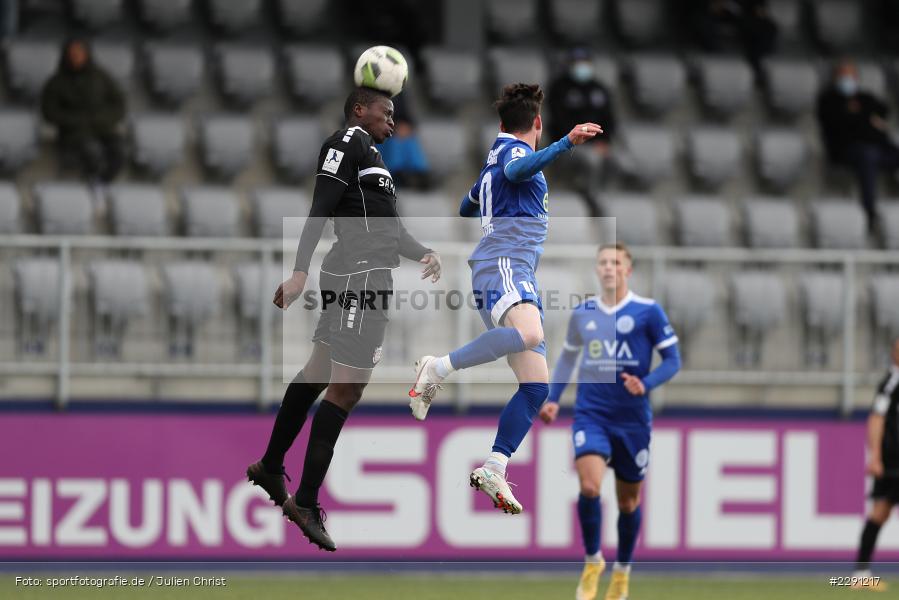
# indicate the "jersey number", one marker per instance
pixel 486 196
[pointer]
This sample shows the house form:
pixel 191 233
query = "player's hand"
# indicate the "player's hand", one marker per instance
pixel 583 132
pixel 433 267
pixel 549 411
pixel 633 384
pixel 874 466
pixel 290 290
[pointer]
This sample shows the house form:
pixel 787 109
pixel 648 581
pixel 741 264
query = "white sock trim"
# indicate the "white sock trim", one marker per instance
pixel 443 366
pixel 497 462
pixel 620 567
pixel 593 558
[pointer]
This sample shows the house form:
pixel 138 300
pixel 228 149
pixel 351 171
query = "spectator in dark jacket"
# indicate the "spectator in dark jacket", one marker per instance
pixel 577 96
pixel 855 132
pixel 87 107
pixel 747 24
pixel 402 152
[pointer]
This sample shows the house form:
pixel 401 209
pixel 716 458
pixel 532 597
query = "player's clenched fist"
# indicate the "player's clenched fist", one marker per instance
pixel 290 289
pixel 549 411
pixel 633 384
pixel 583 132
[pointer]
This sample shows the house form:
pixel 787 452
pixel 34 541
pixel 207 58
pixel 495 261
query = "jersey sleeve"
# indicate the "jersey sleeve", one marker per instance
pixel 573 340
pixel 340 159
pixel 884 391
pixel 661 332
pixel 512 153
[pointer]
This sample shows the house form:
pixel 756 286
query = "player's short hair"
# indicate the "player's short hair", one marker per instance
pixel 364 96
pixel 619 246
pixel 518 106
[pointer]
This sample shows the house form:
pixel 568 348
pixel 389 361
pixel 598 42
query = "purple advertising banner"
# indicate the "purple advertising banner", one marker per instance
pixel 124 487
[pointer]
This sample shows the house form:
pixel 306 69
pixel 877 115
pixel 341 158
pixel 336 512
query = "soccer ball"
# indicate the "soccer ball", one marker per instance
pixel 382 68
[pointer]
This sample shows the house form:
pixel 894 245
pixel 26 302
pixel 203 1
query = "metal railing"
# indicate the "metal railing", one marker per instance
pixel 455 255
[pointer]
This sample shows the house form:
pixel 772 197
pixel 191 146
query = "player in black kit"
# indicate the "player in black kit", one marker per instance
pixel 354 187
pixel 883 464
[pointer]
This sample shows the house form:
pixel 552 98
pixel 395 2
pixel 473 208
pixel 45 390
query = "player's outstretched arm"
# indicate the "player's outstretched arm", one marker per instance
pixel 410 248
pixel 522 168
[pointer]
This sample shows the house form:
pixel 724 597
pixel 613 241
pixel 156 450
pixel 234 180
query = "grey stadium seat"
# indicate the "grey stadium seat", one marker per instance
pixel 315 74
pixel 837 23
pixel 272 205
pixel 37 287
pixel 10 209
pixel 838 224
pixel 648 154
pixel 245 73
pixel 658 81
pixel 639 22
pixel 885 303
pixel 889 223
pixel 821 301
pixel 175 70
pixel 429 216
pixel 137 210
pixel 714 155
pixel 165 14
pixel 226 143
pixel 250 285
pixel 120 289
pixel 96 14
pixel 517 65
pixel 771 222
pixel 725 84
pixel 295 146
pixel 453 77
pixel 444 145
pixel 29 64
pixel 792 85
pixel 570 221
pixel 18 139
pixel 636 219
pixel 117 57
pixel 689 297
pixel 210 211
pixel 64 208
pixel 872 78
pixel 759 300
pixel 191 291
pixel 703 221
pixel 576 20
pixel 780 157
pixel 302 17
pixel 511 19
pixel 233 16
pixel 158 142
pixel 787 15
pixel 606 71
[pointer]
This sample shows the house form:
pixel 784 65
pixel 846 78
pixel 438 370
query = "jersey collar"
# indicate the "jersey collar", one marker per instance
pixel 502 135
pixel 610 310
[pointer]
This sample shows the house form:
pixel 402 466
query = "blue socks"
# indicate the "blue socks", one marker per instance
pixel 516 418
pixel 487 347
pixel 628 528
pixel 589 513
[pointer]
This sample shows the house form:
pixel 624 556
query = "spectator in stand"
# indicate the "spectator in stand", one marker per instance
pixel 87 107
pixel 745 23
pixel 855 133
pixel 577 96
pixel 402 152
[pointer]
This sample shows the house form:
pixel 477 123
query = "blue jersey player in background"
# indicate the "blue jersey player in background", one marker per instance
pixel 511 199
pixel 614 336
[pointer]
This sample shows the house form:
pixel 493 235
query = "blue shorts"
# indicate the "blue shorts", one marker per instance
pixel 626 449
pixel 499 284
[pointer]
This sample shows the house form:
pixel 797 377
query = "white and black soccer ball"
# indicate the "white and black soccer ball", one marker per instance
pixel 382 68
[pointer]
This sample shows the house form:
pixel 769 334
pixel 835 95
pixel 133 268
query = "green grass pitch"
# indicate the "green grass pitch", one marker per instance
pixel 452 587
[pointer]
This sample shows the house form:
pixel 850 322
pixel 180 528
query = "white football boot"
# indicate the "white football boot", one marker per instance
pixel 423 391
pixel 495 485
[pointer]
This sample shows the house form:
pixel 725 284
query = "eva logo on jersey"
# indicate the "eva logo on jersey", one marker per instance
pixel 610 349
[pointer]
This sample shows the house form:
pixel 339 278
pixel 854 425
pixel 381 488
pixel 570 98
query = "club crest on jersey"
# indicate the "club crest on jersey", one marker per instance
pixel 332 160
pixel 642 458
pixel 580 438
pixel 376 357
pixel 624 324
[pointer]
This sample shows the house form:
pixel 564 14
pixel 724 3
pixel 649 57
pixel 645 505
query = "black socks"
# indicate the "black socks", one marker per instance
pixel 866 546
pixel 326 426
pixel 298 399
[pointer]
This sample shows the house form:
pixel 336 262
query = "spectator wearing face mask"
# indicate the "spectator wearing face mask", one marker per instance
pixel 855 132
pixel 577 96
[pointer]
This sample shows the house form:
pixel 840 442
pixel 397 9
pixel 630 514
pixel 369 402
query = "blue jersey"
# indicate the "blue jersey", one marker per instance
pixel 513 215
pixel 612 341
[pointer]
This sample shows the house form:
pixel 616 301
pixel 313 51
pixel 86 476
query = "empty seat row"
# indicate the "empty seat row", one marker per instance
pixel 226 16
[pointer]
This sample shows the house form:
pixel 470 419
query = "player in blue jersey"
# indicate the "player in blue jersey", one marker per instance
pixel 614 336
pixel 511 198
